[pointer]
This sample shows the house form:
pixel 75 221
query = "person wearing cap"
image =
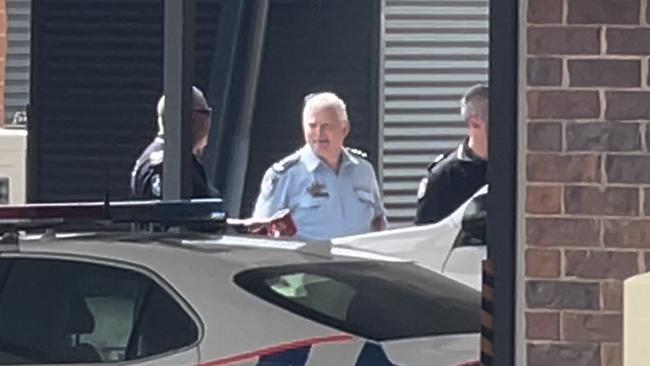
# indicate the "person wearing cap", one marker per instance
pixel 453 178
pixel 146 176
pixel 330 190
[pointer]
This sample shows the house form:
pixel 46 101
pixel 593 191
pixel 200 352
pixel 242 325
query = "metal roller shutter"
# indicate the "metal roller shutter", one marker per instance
pixel 17 68
pixel 96 78
pixel 433 51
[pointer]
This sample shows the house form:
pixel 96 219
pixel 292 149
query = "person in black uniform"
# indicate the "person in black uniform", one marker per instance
pixel 454 177
pixel 146 176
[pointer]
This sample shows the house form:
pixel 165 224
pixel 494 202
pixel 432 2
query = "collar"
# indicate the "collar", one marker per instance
pixel 312 161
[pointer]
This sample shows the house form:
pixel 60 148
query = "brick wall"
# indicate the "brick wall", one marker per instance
pixel 3 57
pixel 587 173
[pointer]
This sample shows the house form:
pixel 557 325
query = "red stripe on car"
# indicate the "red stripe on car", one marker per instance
pixel 341 338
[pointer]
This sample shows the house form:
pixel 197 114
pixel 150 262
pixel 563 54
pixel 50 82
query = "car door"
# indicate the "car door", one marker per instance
pixel 390 313
pixel 64 309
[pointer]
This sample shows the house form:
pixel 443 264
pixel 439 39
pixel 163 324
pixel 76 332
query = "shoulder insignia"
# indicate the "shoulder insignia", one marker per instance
pixel 156 189
pixel 356 152
pixel 438 158
pixel 422 188
pixel 269 183
pixel 286 163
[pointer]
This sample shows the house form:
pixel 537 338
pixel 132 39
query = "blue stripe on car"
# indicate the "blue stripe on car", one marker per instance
pixel 292 357
pixel 373 354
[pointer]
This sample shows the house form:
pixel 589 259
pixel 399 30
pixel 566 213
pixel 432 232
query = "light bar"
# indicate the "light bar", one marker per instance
pixel 161 212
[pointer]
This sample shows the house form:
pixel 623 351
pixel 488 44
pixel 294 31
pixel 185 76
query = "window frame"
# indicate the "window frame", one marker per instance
pixel 129 266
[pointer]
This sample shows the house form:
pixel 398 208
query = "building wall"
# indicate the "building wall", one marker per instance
pixel 3 55
pixel 587 175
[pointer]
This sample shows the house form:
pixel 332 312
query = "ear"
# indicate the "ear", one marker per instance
pixel 346 128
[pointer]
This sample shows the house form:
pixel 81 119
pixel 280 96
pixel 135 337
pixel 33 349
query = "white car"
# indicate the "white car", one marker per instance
pixel 454 246
pixel 142 298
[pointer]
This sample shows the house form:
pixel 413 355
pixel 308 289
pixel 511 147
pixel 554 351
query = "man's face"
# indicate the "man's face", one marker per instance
pixel 325 132
pixel 200 131
pixel 478 132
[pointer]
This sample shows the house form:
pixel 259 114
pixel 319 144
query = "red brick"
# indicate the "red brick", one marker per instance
pixel 563 168
pixel 603 136
pixel 613 73
pixel 627 233
pixel 544 136
pixel 544 71
pixel 565 354
pixel 563 40
pixel 579 327
pixel 612 293
pixel 603 11
pixel 613 201
pixel 627 105
pixel 562 295
pixel 601 264
pixel 563 104
pixel 646 258
pixel 543 326
pixel 555 104
pixel 628 41
pixel 544 11
pixel 633 169
pixel 543 263
pixel 543 199
pixel 612 354
pixel 555 232
pixel 646 201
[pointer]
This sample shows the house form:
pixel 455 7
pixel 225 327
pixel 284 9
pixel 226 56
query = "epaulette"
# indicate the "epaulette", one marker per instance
pixel 438 158
pixel 286 163
pixel 356 152
pixel 156 157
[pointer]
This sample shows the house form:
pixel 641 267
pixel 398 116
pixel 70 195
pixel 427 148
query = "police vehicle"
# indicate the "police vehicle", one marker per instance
pixel 85 284
pixel 454 246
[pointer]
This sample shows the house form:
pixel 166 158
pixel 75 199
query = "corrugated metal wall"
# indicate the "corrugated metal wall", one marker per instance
pixel 17 71
pixel 433 51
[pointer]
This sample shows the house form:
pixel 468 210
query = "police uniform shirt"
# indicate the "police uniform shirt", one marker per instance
pixel 451 180
pixel 323 204
pixel 146 176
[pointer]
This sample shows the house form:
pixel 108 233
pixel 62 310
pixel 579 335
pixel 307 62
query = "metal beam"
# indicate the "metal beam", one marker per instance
pixel 179 19
pixel 502 173
pixel 222 75
pixel 240 144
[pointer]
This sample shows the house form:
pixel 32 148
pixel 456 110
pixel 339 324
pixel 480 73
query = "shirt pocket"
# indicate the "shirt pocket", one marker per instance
pixel 365 196
pixel 309 202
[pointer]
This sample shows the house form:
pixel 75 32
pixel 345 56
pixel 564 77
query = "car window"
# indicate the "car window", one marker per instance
pixel 377 300
pixel 57 311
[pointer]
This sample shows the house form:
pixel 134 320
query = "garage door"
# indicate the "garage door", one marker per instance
pixel 433 51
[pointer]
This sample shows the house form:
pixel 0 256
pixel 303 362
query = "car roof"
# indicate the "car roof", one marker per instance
pixel 232 251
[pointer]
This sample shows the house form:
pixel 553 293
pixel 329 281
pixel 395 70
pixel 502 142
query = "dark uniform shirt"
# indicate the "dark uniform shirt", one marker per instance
pixel 452 179
pixel 146 177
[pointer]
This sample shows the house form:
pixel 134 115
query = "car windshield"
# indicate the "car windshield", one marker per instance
pixel 376 300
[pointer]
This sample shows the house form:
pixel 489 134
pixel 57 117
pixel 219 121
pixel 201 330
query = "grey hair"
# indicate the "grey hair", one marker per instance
pixel 475 103
pixel 323 100
pixel 198 103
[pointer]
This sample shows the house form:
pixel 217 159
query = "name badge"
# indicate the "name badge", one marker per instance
pixel 317 189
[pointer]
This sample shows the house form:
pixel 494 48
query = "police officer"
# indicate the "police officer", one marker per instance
pixel 453 178
pixel 330 190
pixel 147 171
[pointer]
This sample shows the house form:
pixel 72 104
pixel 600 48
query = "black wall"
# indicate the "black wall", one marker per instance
pixel 96 76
